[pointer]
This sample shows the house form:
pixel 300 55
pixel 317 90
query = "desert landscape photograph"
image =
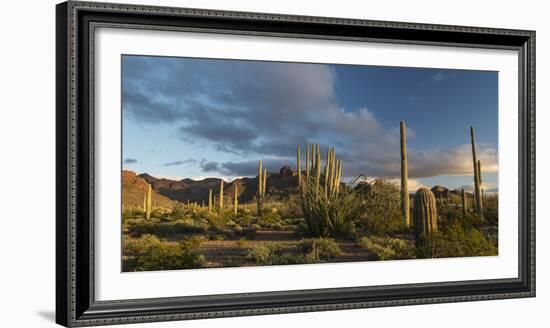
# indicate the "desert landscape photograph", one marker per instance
pixel 233 163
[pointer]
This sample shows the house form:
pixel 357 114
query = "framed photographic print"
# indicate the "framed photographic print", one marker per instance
pixel 214 163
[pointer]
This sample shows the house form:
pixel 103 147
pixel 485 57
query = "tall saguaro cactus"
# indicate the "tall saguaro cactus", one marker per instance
pixel 221 194
pixel 464 205
pixel 262 173
pixel 299 167
pixel 236 202
pixel 317 168
pixel 148 202
pixel 405 212
pixel 210 201
pixel 307 164
pixel 477 182
pixel 424 212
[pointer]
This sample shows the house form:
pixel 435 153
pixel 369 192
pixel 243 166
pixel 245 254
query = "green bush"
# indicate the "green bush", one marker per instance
pixel 153 226
pixel 319 249
pixel 382 209
pixel 149 253
pixel 312 250
pixel 387 248
pixel 455 241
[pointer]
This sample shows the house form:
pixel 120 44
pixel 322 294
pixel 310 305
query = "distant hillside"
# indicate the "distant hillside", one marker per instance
pixel 133 192
pixel 278 186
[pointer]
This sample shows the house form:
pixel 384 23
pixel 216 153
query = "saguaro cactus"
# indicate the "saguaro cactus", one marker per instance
pixel 221 194
pixel 210 201
pixel 480 182
pixel 299 167
pixel 307 164
pixel 148 202
pixel 477 189
pixel 464 205
pixel 261 187
pixel 405 212
pixel 236 202
pixel 424 212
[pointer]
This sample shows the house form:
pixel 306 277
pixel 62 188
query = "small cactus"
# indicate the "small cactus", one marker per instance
pixel 424 212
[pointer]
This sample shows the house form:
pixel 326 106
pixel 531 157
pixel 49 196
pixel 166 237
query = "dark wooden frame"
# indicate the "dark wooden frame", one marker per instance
pixel 75 303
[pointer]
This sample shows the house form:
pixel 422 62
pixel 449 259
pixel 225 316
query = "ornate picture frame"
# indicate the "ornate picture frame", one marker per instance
pixel 77 23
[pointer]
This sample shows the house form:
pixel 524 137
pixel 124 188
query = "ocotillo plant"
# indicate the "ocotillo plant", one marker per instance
pixel 424 212
pixel 299 167
pixel 210 200
pixel 477 189
pixel 236 202
pixel 405 212
pixel 148 202
pixel 221 195
pixel 464 205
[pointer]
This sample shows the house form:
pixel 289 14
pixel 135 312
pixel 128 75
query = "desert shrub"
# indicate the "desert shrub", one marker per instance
pixel 455 241
pixel 276 226
pixel 134 212
pixel 269 217
pixel 319 249
pixel 491 210
pixel 150 253
pixel 387 248
pixel 381 208
pixel 272 254
pixel 330 215
pixel 155 226
pixel 217 219
pixel 312 250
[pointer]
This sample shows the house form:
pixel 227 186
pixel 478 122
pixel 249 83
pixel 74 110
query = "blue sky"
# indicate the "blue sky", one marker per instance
pixel 187 117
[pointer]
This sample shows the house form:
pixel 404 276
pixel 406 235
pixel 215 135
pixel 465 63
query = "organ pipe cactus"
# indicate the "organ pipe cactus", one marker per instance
pixel 148 202
pixel 424 212
pixel 405 212
pixel 477 187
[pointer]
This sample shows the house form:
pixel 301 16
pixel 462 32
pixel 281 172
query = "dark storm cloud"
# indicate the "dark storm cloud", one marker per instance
pixel 267 109
pixel 250 168
pixel 130 161
pixel 207 166
pixel 176 163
